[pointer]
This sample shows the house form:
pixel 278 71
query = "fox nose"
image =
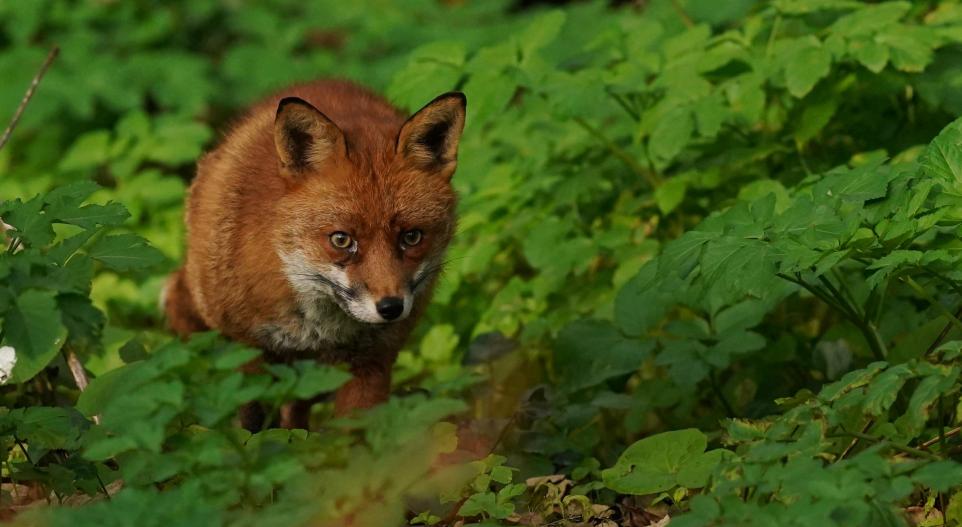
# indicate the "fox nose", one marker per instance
pixel 390 307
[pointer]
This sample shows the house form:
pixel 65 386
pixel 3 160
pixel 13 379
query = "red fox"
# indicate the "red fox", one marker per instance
pixel 316 229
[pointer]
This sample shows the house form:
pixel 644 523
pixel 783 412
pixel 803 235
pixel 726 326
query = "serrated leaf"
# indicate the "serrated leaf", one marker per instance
pixel 125 252
pixel 30 224
pixel 90 216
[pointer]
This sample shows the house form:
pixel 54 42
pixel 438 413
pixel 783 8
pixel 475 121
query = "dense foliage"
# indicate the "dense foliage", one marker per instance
pixel 707 267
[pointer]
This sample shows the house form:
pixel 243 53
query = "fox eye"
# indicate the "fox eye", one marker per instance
pixel 341 240
pixel 412 237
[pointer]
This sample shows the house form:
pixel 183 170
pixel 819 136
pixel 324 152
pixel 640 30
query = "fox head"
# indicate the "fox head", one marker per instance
pixel 368 213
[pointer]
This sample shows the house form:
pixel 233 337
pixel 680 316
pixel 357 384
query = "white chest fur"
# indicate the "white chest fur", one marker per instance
pixel 318 323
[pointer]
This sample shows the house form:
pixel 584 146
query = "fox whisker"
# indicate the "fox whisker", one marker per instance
pixel 339 289
pixel 427 273
pixel 346 291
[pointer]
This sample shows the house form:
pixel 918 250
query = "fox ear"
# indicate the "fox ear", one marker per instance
pixel 305 137
pixel 429 139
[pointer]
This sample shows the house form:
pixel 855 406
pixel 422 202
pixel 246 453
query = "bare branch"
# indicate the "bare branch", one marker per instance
pixel 29 95
pixel 78 373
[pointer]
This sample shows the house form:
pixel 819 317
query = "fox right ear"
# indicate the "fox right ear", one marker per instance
pixel 430 137
pixel 305 137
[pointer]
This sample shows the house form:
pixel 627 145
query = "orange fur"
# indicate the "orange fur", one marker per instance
pixel 266 201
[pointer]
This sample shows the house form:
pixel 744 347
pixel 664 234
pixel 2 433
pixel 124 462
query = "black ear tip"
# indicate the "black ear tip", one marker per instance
pixel 451 96
pixel 289 101
pixel 460 96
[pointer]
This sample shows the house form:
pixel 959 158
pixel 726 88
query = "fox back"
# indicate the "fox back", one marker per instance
pixel 318 226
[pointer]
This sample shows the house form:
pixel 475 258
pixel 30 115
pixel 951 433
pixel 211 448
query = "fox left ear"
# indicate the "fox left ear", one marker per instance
pixel 429 139
pixel 304 137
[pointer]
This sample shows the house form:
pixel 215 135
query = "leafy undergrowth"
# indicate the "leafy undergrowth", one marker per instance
pixel 707 271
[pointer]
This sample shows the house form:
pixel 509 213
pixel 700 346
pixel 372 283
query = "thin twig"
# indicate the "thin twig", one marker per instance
pixel 855 441
pixel 902 448
pixel 942 334
pixel 78 373
pixel 103 487
pixel 29 95
pixel 949 433
pixel 23 449
pixel 685 18
pixel 76 369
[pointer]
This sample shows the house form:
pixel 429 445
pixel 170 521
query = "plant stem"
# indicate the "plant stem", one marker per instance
pixel 650 177
pixel 23 449
pixel 681 13
pixel 836 301
pixel 840 298
pixel 847 293
pixel 817 293
pixel 624 105
pixel 895 446
pixel 869 331
pixel 771 36
pixel 942 334
pixel 721 396
pixel 950 316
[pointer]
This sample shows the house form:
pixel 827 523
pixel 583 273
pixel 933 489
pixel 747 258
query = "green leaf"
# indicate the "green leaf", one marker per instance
pixel 125 252
pixel 814 118
pixel 885 388
pixel 644 300
pixel 88 151
pixel 89 216
pixel 911 48
pixel 870 19
pixel 806 65
pixel 105 388
pixel 314 379
pixel 34 329
pixel 942 158
pixel 670 135
pixel 870 53
pixel 49 428
pixel 939 476
pixel 541 32
pixel 670 194
pixel 938 382
pixel 485 503
pixel 662 462
pixel 83 321
pixel 439 343
pixel 30 224
pixel 590 352
pixel 433 68
pixel 72 195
